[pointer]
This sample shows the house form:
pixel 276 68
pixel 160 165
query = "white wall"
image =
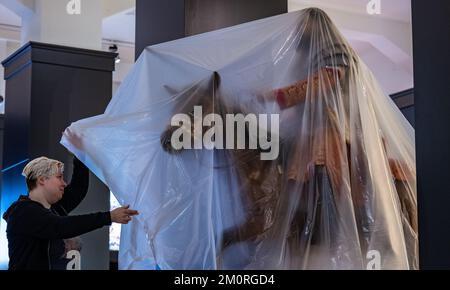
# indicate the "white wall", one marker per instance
pixel 6 49
pixel 51 23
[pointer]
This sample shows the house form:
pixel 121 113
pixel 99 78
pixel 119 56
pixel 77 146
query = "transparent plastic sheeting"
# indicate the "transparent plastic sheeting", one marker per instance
pixel 336 189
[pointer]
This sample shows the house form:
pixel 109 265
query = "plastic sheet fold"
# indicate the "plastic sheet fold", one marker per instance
pixel 337 186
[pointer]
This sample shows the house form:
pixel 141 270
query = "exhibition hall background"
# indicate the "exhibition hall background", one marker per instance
pixel 55 78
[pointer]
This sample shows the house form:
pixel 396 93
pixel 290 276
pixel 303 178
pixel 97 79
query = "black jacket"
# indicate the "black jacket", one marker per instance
pixel 35 233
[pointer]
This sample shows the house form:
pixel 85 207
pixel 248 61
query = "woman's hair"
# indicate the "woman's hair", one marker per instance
pixel 41 167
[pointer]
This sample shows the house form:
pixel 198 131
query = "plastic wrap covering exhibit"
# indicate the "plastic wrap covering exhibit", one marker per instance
pixel 267 145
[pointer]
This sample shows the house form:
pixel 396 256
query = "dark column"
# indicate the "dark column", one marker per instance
pixel 405 102
pixel 48 87
pixel 159 21
pixel 207 15
pixel 431 42
pixel 2 125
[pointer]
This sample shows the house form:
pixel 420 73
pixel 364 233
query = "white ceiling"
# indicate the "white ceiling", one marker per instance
pixel 379 38
pixel 384 41
pixel 8 17
pixel 120 26
pixel 399 10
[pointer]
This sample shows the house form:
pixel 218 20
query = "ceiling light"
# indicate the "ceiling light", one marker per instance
pixel 114 48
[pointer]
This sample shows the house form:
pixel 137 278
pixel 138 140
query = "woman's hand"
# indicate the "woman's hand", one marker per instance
pixel 75 139
pixel 122 215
